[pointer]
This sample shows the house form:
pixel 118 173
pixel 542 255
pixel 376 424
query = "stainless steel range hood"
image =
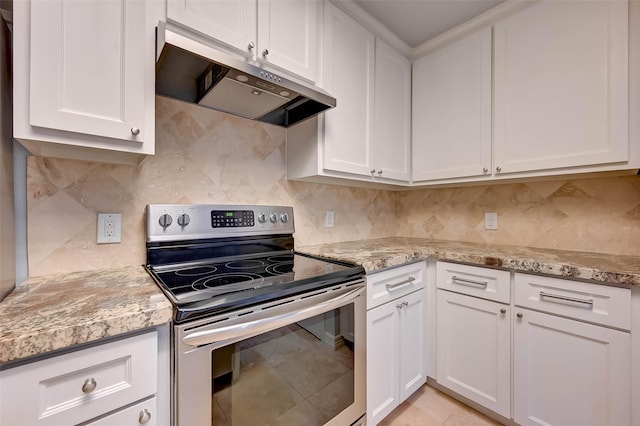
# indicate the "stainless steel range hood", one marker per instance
pixel 187 68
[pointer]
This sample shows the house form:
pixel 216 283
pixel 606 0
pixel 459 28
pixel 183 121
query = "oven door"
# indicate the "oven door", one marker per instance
pixel 297 361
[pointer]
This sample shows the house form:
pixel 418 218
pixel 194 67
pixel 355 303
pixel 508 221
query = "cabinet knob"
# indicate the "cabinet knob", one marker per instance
pixel 519 315
pixel 135 131
pixel 89 385
pixel 373 171
pixel 379 172
pixel 399 306
pixel 498 169
pixel 485 170
pixel 405 303
pixel 144 417
pixel 265 52
pixel 503 311
pixel 251 45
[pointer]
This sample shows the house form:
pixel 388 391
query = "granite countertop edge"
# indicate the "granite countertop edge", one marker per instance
pixel 377 254
pixel 46 314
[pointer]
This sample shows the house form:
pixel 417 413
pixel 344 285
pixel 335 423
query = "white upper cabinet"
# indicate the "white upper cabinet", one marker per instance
pixel 348 61
pixel 84 77
pixel 452 110
pixel 561 86
pixel 391 137
pixel 283 33
pixel 232 22
pixel 366 137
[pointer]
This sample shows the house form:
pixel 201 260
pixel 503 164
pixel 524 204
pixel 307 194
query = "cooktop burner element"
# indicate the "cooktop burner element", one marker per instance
pixel 210 258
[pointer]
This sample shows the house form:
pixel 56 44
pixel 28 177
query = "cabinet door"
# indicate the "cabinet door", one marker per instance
pixel 232 22
pixel 561 86
pixel 348 75
pixel 382 361
pixel 87 67
pixel 392 113
pixel 452 110
pixel 288 35
pixel 413 339
pixel 474 350
pixel 569 373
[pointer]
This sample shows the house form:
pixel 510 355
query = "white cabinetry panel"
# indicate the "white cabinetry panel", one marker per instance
pixel 569 373
pixel 348 63
pixel 474 349
pixel 452 110
pixel 561 86
pixel 86 67
pixel 391 137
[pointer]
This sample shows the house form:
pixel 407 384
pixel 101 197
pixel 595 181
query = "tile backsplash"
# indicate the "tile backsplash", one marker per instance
pixel 205 156
pixel 202 156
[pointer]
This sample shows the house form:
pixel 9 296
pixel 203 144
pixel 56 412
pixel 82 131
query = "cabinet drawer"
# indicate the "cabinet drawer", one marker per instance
pixel 595 303
pixel 78 386
pixel 476 281
pixel 393 283
pixel 142 413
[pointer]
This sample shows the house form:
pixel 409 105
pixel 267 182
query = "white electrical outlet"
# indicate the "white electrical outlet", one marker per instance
pixel 109 228
pixel 491 221
pixel 329 218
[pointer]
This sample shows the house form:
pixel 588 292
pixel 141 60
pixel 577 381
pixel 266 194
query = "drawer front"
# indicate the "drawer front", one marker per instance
pixel 142 413
pixel 600 304
pixel 393 283
pixel 78 386
pixel 491 284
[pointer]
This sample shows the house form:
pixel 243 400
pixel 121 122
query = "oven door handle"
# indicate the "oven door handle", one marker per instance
pixel 248 329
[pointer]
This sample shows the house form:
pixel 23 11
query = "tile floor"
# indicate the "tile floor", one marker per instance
pixel 430 407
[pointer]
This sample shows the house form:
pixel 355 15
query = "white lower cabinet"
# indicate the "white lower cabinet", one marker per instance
pixel 474 349
pixel 396 341
pixel 557 353
pixel 567 371
pixel 113 383
pixel 474 334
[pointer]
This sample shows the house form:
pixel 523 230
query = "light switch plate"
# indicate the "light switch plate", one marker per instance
pixel 491 221
pixel 109 228
pixel 329 218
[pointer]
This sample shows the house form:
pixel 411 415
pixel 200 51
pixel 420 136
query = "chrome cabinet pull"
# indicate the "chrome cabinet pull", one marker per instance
pixel 251 45
pixel 402 305
pixel 458 280
pixel 135 131
pixel 89 385
pixel 265 52
pixel 401 283
pixel 566 298
pixel 144 417
pixel 519 315
pixel 503 311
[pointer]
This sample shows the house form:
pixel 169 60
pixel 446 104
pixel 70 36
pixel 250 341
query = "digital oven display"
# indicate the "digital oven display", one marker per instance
pixel 232 218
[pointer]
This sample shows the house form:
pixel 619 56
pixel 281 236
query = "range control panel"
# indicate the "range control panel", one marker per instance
pixel 175 222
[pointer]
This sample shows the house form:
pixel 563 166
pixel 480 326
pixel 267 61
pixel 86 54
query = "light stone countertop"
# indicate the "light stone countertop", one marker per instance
pixel 59 311
pixel 377 254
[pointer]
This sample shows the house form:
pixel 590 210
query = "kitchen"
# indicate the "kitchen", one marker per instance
pixel 197 153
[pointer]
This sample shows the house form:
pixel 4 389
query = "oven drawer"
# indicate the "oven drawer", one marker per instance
pixel 393 283
pixel 491 284
pixel 599 304
pixel 78 386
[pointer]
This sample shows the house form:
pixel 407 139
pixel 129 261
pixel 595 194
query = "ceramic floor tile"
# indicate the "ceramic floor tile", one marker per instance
pixel 430 407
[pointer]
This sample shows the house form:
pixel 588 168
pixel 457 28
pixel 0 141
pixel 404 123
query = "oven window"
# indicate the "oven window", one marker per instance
pixel 299 374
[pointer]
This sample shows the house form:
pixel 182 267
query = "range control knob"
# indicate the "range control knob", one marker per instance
pixel 183 220
pixel 284 218
pixel 164 221
pixel 262 218
pixel 273 218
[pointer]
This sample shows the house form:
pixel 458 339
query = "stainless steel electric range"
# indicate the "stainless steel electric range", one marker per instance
pixel 261 332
